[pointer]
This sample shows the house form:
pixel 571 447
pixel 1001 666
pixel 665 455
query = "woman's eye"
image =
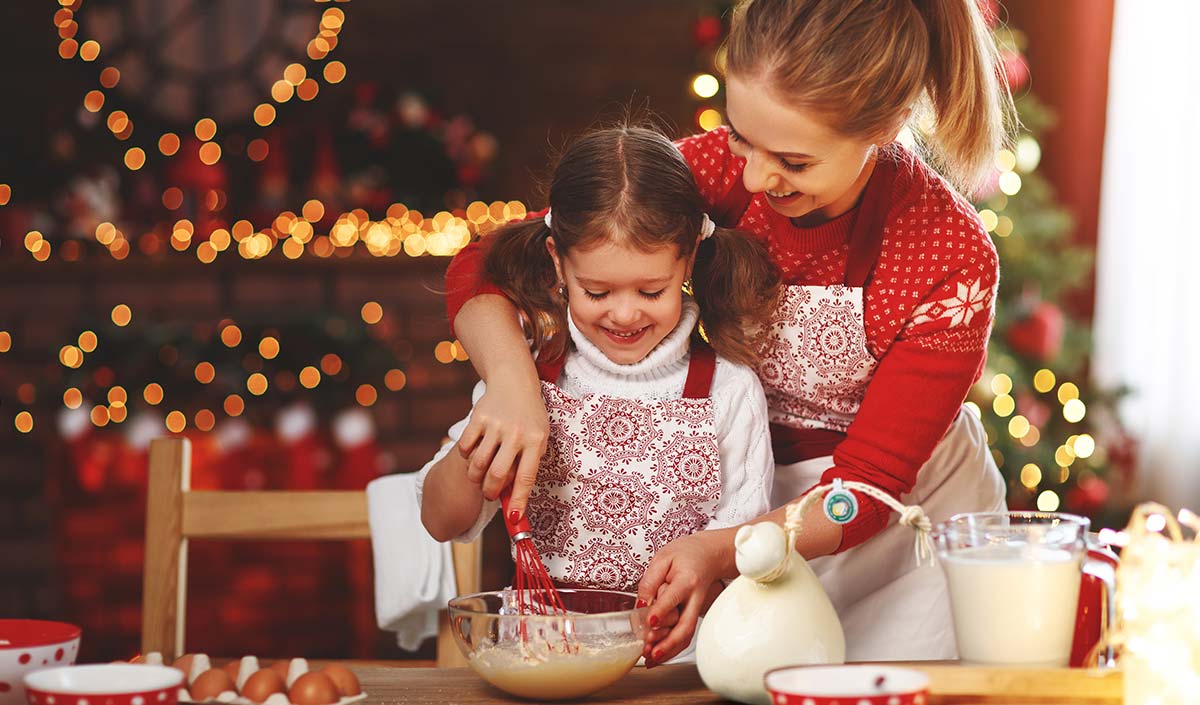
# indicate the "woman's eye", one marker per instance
pixel 794 168
pixel 595 296
pixel 652 294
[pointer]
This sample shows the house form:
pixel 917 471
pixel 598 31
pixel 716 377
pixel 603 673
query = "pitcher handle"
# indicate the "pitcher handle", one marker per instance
pixel 1101 563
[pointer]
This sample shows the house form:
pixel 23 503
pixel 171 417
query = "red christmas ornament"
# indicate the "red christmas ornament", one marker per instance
pixel 990 9
pixel 1039 335
pixel 1088 496
pixel 1015 69
pixel 707 31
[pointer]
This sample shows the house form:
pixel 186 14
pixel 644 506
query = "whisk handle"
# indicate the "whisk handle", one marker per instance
pixel 520 528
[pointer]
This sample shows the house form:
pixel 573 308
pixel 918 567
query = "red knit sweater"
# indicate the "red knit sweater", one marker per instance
pixel 928 311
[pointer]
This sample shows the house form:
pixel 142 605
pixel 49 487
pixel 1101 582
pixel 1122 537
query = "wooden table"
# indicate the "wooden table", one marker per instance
pixel 676 685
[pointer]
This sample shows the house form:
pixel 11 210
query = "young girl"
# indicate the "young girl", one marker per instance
pixel 883 328
pixel 652 435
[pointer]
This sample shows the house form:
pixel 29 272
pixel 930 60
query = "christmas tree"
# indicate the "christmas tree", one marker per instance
pixel 1054 436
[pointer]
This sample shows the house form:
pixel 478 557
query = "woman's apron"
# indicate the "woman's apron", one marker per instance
pixel 815 372
pixel 621 478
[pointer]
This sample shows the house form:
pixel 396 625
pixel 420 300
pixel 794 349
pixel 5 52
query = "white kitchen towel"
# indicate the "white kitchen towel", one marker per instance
pixel 414 574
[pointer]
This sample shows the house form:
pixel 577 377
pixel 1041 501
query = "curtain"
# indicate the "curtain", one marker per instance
pixel 1147 325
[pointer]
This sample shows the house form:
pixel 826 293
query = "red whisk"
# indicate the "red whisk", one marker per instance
pixel 536 593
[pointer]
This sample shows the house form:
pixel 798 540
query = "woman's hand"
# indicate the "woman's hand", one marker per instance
pixel 680 583
pixel 506 436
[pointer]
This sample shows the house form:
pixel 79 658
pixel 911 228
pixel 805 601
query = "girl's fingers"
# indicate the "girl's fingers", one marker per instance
pixel 500 472
pixel 470 438
pixel 527 469
pixel 481 457
pixel 653 579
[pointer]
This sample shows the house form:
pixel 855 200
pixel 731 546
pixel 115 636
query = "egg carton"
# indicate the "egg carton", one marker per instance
pixel 247 667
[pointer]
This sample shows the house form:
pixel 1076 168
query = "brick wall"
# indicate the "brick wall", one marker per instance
pixel 71 554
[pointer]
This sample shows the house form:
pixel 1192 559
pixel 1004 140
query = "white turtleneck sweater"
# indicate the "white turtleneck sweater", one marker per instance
pixel 739 405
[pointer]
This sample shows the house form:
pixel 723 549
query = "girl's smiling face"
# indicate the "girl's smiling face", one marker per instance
pixel 623 300
pixel 806 169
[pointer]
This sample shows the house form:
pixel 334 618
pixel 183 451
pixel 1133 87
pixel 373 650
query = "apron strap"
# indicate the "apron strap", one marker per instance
pixel 866 234
pixel 701 365
pixel 551 370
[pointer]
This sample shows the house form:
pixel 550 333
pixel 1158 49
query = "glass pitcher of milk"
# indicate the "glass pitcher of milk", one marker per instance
pixel 1014 582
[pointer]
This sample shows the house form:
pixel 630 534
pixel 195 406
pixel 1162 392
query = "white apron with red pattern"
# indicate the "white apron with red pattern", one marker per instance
pixel 621 478
pixel 815 371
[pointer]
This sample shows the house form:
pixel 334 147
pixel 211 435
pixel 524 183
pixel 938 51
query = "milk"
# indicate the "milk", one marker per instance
pixel 1014 605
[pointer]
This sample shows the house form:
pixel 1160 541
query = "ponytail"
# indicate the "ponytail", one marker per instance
pixel 973 111
pixel 518 263
pixel 736 287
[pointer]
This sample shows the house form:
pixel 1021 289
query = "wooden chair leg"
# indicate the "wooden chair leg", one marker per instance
pixel 164 571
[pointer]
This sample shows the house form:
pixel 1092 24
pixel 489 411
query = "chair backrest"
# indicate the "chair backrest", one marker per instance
pixel 175 513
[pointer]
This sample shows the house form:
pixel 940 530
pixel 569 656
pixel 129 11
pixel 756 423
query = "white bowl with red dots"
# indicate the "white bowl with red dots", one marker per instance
pixel 846 685
pixel 29 644
pixel 104 684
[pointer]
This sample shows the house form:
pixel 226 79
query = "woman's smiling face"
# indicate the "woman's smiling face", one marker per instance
pixel 806 169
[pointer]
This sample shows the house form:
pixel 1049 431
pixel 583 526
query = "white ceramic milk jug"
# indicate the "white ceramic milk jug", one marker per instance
pixel 773 615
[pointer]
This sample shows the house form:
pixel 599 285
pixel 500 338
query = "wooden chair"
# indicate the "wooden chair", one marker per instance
pixel 174 514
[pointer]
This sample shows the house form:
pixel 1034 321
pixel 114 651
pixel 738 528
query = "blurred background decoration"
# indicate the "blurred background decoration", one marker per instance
pixel 229 220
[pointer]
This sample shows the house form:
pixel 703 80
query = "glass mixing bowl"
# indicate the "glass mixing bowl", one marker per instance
pixel 550 657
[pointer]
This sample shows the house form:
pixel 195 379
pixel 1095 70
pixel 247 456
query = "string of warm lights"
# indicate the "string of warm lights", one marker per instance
pixel 294 82
pixel 401 231
pixel 116 407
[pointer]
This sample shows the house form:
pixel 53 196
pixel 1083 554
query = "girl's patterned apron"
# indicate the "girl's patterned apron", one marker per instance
pixel 623 477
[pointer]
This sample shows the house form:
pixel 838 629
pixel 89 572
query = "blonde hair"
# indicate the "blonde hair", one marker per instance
pixel 861 63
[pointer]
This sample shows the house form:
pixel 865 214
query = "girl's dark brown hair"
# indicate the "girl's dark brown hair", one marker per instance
pixel 631 185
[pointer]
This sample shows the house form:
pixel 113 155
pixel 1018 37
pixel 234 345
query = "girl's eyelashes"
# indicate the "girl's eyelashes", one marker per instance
pixel 596 296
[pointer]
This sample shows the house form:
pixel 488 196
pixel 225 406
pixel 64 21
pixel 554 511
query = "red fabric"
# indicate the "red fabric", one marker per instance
pixel 701 366
pixel 928 307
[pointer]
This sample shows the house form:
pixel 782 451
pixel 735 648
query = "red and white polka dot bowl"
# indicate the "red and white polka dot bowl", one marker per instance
pixel 846 685
pixel 29 644
pixel 104 684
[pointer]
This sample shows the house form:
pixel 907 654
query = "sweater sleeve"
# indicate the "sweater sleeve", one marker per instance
pixel 489 508
pixel 715 168
pixel 465 278
pixel 744 442
pixel 917 390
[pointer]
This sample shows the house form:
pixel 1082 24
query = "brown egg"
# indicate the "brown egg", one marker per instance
pixel 210 684
pixel 313 689
pixel 281 667
pixel 343 679
pixel 184 663
pixel 262 684
pixel 232 669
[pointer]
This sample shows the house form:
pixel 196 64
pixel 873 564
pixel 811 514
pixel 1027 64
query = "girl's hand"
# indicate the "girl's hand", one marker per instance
pixel 680 584
pixel 506 437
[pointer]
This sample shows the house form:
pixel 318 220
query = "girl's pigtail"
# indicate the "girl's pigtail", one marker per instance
pixel 518 263
pixel 736 287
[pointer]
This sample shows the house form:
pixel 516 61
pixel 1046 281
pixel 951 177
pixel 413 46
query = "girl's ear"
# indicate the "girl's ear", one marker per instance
pixel 554 257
